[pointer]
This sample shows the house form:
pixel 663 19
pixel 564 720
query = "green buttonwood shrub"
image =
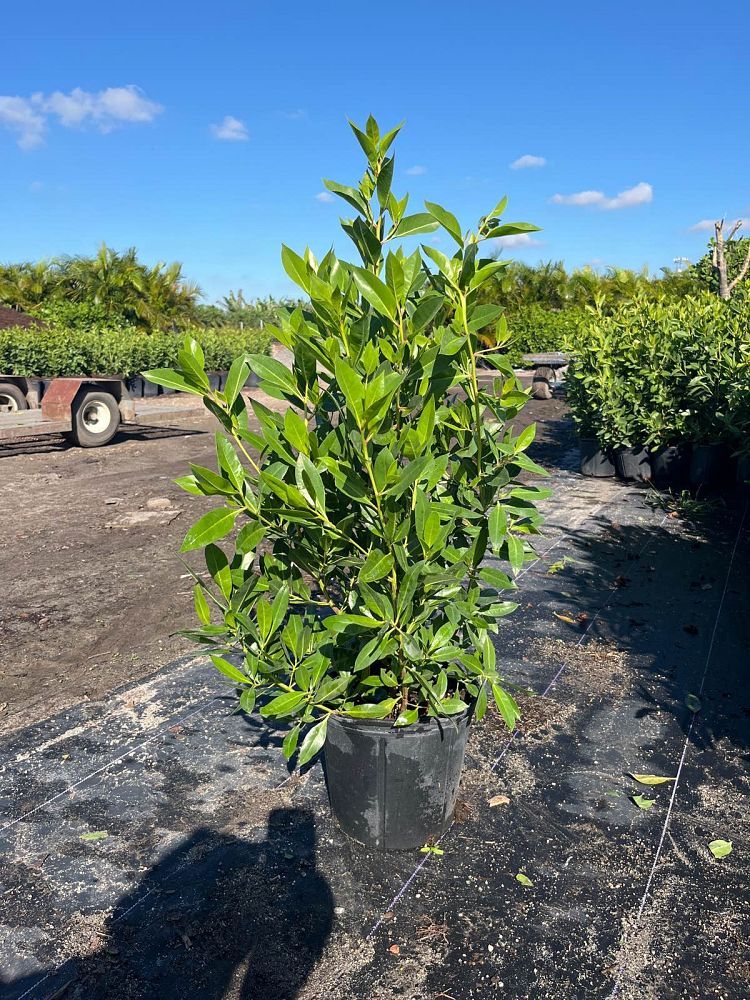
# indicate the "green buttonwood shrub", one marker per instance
pixel 357 582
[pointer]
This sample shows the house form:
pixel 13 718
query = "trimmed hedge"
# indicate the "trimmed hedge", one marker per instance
pixel 47 352
pixel 662 373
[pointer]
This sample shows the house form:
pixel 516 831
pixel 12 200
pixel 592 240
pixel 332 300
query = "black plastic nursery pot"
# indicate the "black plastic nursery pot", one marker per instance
pixel 595 461
pixel 394 789
pixel 135 386
pixel 710 466
pixel 150 389
pixel 670 465
pixel 214 380
pixel 743 471
pixel 633 463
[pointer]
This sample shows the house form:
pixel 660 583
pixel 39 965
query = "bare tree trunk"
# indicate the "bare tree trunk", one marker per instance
pixel 720 260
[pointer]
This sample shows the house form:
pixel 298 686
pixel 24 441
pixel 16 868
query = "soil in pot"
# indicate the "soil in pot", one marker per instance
pixel 633 463
pixel 594 460
pixel 670 465
pixel 394 789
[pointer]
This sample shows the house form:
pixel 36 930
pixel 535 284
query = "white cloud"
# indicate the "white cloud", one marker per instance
pixel 298 115
pixel 230 130
pixel 325 196
pixel 417 170
pixel 36 187
pixel 640 194
pixel 524 162
pixel 517 241
pixel 707 225
pixel 19 117
pixel 105 110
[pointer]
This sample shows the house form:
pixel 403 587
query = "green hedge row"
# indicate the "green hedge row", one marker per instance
pixel 657 374
pixel 47 352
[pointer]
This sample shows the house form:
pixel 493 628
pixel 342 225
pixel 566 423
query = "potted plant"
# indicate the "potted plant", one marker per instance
pixel 354 602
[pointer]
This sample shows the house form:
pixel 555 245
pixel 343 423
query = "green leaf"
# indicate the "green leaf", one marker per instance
pixel 381 710
pixel 313 741
pixel 414 225
pixel 525 438
pixel 228 669
pixel 296 268
pixel 309 482
pixel 202 609
pixel 496 578
pixel 524 880
pixel 351 385
pixel 642 802
pixel 375 291
pixel 94 835
pixel 377 565
pixel 340 623
pixel 283 704
pixel 290 741
pixel 498 526
pixel 349 194
pixel 210 528
pixel 447 220
pixel 515 553
pixel 720 848
pixel 238 373
pixel 247 700
pixel 171 379
pixel 506 706
pixel 650 779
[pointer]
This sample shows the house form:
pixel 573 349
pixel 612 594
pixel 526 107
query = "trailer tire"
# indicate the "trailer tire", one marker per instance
pixel 96 418
pixel 12 399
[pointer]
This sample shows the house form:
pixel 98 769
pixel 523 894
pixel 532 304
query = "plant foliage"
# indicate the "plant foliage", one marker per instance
pixel 357 583
pixel 660 373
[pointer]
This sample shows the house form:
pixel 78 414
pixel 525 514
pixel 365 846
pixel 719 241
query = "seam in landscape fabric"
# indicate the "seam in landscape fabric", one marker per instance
pixel 683 755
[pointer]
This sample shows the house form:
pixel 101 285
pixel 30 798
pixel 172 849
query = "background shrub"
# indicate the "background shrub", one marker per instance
pixel 660 373
pixel 51 351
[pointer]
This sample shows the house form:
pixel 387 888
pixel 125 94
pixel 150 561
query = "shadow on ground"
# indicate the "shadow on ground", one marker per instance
pixel 217 914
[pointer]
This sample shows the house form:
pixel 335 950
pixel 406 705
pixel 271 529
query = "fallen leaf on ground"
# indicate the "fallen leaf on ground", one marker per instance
pixel 499 800
pixel 643 803
pixel 94 835
pixel 621 581
pixel 650 779
pixel 394 949
pixel 565 618
pixel 720 848
pixel 523 879
pixel 693 702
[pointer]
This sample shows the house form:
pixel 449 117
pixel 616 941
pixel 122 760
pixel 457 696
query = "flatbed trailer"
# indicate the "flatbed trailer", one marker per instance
pixel 89 410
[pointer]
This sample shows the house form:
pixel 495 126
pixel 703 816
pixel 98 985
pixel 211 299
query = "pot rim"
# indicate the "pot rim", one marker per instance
pixel 415 729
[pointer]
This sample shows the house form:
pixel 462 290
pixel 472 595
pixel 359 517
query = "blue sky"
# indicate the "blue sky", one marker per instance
pixel 200 132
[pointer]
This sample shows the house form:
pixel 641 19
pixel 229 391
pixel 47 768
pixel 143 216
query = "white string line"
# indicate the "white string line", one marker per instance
pixel 404 888
pixel 104 767
pixel 683 755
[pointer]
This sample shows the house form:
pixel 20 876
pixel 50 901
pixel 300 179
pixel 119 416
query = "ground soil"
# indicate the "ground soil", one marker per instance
pixel 87 604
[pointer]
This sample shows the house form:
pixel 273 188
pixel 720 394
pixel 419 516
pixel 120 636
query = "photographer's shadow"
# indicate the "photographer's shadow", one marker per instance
pixel 216 917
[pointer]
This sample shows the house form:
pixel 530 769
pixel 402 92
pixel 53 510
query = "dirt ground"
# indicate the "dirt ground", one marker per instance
pixel 89 555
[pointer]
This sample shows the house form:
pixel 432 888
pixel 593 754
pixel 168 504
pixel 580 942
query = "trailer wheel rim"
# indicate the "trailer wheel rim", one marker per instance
pixel 96 417
pixel 8 404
